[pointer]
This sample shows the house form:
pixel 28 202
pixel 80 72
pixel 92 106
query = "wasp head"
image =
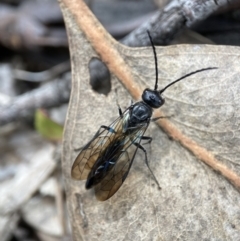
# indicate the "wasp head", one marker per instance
pixel 153 98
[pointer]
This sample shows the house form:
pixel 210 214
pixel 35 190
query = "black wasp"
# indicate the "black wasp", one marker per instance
pixel 105 161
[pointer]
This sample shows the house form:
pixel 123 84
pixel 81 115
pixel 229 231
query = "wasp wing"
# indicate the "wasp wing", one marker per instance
pixel 117 175
pixel 94 149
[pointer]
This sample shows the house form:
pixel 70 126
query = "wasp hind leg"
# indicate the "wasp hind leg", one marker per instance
pixel 146 158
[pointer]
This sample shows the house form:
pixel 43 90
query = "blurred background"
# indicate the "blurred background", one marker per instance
pixel 35 85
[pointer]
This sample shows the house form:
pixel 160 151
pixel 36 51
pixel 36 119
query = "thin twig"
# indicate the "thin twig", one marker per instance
pixel 48 95
pixel 44 75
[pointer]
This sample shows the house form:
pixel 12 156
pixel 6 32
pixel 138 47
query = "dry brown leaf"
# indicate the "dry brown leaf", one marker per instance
pixel 195 202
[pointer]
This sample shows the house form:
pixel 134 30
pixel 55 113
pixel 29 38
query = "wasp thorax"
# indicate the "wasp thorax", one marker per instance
pixel 140 113
pixel 152 98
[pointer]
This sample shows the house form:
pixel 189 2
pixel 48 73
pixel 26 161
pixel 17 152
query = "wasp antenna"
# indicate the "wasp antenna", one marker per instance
pixel 155 58
pixel 185 76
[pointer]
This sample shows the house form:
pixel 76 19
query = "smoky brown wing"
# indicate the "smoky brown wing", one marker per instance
pixel 91 152
pixel 115 178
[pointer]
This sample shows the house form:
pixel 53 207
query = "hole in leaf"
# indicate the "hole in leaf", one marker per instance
pixel 100 78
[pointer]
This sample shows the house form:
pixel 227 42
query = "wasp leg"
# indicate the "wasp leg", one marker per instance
pixel 146 161
pixel 160 117
pixel 149 139
pixel 120 111
pixel 106 128
pixel 119 108
pixel 99 130
pixel 97 133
